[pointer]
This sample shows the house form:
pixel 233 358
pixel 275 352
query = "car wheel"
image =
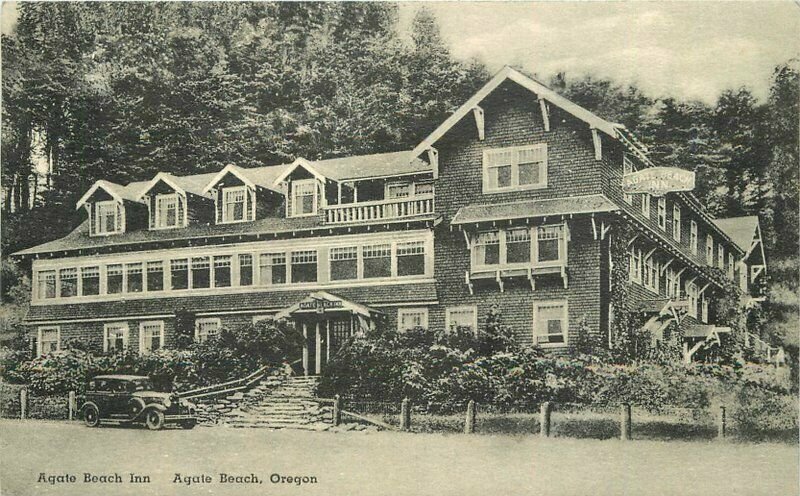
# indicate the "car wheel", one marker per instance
pixel 91 416
pixel 189 424
pixel 154 420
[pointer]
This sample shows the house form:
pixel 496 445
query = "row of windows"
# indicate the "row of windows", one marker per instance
pixel 646 270
pixel 520 246
pixel 349 263
pixel 550 322
pixel 115 337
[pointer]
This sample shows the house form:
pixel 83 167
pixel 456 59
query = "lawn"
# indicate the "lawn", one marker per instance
pixel 388 463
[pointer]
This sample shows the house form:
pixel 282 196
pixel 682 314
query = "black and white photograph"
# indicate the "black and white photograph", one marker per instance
pixel 415 248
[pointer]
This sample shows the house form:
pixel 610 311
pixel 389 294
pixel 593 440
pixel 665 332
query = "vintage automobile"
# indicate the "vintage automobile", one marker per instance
pixel 131 399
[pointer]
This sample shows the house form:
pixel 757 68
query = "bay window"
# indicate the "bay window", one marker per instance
pixel 90 281
pixel 515 247
pixel 344 263
pixel 304 266
pixel 272 268
pixel 550 322
pixel 522 167
pixel 549 244
pixel 487 248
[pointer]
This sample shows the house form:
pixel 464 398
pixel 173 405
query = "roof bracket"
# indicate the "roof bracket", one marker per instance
pixel 649 254
pixel 564 276
pixel 604 229
pixel 545 114
pixel 500 282
pixel 598 144
pixel 594 228
pixel 664 267
pixel 469 283
pixel 478 113
pixel 531 279
pixel 433 159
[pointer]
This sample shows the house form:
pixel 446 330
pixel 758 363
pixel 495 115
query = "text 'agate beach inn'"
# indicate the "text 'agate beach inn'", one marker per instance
pixel 510 202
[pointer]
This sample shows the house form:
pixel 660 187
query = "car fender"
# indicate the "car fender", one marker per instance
pixel 89 403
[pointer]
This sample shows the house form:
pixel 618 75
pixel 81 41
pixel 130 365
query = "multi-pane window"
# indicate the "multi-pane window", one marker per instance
pixel 304 197
pixel 410 318
pixel 151 336
pixel 179 273
pixel 134 276
pixel 515 168
pixel 676 222
pixel 90 281
pixel 550 243
pixel 673 283
pixel 721 256
pixel 68 282
pixel 661 211
pixel 106 217
pixel 651 274
pixel 730 266
pixel 411 258
pixel 344 263
pixel 691 295
pixel 114 279
pixel 304 266
pixel 627 168
pixel 425 188
pixel 398 190
pixel 201 272
pixel 466 316
pixel 155 275
pixel 167 211
pixel 116 337
pixel 635 268
pixel 48 340
pixel 709 250
pixel 646 205
pixel 377 261
pixel 46 283
pixel 487 248
pixel 518 246
pixel 245 270
pixel 703 309
pixel 233 204
pixel 550 322
pixel 272 268
pixel 206 328
pixel 693 237
pixel 222 271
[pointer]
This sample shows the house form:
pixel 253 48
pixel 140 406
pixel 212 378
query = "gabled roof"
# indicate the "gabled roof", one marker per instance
pixel 373 166
pixel 741 230
pixel 182 184
pixel 533 208
pixel 542 91
pixel 229 169
pixel 117 191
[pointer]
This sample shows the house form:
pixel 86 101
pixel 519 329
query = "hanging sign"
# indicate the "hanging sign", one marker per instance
pixel 320 305
pixel 658 181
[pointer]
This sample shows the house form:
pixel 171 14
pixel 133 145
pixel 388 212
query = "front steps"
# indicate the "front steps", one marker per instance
pixel 292 404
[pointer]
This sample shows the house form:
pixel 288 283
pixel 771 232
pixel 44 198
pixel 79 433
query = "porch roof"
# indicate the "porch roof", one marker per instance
pixel 533 208
pixel 321 300
pixel 702 330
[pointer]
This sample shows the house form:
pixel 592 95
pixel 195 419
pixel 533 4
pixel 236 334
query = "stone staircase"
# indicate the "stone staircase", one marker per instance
pixel 291 404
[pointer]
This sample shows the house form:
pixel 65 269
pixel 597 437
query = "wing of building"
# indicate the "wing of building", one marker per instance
pixel 512 201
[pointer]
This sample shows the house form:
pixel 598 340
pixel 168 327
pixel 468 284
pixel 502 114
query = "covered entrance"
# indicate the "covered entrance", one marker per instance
pixel 326 321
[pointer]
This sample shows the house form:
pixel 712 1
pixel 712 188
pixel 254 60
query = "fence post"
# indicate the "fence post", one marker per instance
pixel 469 425
pixel 337 410
pixel 72 405
pixel 625 423
pixel 405 415
pixel 23 402
pixel 544 419
pixel 721 423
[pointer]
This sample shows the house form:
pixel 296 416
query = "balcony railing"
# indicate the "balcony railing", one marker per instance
pixel 398 208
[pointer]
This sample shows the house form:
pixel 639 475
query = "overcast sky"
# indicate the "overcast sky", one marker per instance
pixel 685 49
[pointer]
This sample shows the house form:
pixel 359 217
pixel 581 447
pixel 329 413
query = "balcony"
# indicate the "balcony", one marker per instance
pixel 396 208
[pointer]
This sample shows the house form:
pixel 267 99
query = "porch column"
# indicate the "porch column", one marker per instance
pixel 305 349
pixel 327 340
pixel 318 349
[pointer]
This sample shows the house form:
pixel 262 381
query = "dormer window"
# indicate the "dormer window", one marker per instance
pixel 304 197
pixel 168 211
pixel 107 217
pixel 233 204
